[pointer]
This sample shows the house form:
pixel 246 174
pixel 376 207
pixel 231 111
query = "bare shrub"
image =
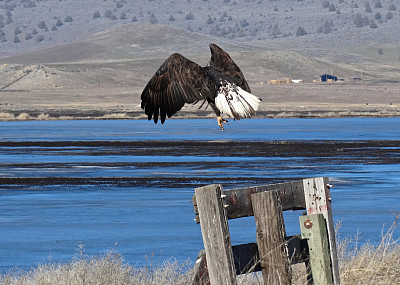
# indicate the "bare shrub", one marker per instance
pixel 24 117
pixel 43 117
pixel 6 117
pixel 115 116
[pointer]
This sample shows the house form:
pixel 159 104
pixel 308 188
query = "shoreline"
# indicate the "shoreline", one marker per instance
pixel 135 113
pixel 306 100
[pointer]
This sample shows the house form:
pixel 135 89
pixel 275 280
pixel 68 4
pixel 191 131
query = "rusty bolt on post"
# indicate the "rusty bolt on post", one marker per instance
pixel 308 224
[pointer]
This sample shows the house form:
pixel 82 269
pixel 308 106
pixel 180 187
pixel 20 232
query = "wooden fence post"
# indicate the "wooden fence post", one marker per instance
pixel 313 228
pixel 271 238
pixel 216 237
pixel 266 202
pixel 318 201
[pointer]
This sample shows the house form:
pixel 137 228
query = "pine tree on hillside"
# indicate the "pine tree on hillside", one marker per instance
pixel 358 21
pixel 378 4
pixel 96 15
pixel 300 32
pixel 17 31
pixel 389 16
pixel 42 25
pixel 368 8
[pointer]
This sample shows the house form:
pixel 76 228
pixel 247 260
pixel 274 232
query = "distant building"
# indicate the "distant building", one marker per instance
pixel 327 77
pixel 284 81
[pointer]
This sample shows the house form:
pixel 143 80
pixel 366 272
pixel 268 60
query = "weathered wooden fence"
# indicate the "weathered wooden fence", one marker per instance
pixel 274 252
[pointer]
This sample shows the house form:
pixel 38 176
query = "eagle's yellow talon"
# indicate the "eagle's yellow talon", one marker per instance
pixel 221 122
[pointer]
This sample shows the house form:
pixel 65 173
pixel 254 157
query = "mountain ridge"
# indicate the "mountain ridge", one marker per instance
pixel 33 25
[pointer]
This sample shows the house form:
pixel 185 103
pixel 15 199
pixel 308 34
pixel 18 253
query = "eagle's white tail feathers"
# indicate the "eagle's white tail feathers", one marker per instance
pixel 236 102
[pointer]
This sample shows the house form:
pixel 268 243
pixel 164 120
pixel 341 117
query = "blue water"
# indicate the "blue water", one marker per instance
pixel 152 224
pixel 253 130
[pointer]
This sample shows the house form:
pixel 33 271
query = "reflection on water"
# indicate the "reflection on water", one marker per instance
pixel 136 197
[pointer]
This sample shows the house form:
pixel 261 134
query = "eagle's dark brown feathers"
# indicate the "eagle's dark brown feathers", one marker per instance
pixel 177 81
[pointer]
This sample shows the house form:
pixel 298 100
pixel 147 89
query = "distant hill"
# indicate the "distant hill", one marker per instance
pixel 128 42
pixel 90 44
pixel 32 25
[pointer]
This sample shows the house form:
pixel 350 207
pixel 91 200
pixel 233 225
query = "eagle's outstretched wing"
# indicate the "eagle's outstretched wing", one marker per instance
pixel 224 65
pixel 176 82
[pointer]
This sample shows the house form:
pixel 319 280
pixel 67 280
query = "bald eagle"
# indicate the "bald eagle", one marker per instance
pixel 179 80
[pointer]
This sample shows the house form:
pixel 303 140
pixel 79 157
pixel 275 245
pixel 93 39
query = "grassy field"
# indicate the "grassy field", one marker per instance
pixel 368 264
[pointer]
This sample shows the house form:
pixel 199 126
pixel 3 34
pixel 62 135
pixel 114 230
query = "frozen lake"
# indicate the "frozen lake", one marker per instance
pixel 128 185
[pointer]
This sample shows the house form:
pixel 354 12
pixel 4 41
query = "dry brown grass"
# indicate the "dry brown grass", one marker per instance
pixel 6 116
pixel 46 117
pixel 367 264
pixel 107 269
pixel 370 264
pixel 23 117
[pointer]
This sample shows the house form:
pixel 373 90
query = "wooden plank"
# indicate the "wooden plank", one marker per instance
pixel 215 232
pixel 313 228
pixel 297 249
pixel 318 201
pixel 271 234
pixel 200 270
pixel 290 193
pixel 247 258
